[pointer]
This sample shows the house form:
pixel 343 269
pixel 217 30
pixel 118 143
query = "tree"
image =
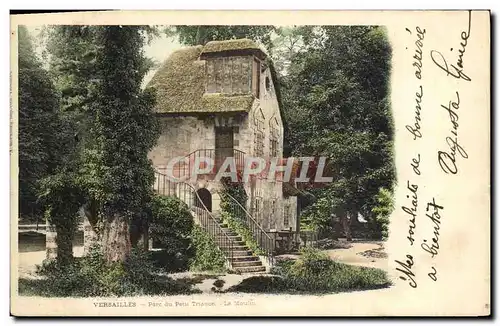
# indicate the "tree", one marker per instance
pixel 38 126
pixel 201 34
pixel 337 105
pixel 80 66
pixel 124 130
pixel 288 42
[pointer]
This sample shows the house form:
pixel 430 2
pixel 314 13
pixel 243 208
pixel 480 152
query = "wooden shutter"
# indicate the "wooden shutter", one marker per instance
pixel 210 75
pixel 218 75
pixel 227 67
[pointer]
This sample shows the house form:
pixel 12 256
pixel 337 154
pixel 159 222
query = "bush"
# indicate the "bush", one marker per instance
pixel 171 228
pixel 208 256
pixel 317 216
pixel 314 272
pixel 92 276
pixel 384 208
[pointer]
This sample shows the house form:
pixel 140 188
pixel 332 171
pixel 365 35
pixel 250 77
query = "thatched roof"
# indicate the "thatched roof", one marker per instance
pixel 180 81
pixel 232 46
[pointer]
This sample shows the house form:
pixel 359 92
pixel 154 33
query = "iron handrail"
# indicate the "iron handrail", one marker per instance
pixel 248 214
pixel 227 239
pixel 212 153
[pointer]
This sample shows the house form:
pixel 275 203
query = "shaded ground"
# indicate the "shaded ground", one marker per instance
pixel 360 253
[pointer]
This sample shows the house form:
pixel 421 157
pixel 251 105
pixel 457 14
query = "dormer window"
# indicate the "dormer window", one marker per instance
pixel 232 75
pixel 228 75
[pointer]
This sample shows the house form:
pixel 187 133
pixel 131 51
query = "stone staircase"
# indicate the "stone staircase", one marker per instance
pixel 243 260
pixel 240 257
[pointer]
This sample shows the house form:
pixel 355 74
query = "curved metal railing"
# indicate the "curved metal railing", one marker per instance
pixel 218 156
pixel 187 193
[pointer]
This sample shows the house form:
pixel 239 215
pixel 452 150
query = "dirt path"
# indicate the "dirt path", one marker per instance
pixel 353 255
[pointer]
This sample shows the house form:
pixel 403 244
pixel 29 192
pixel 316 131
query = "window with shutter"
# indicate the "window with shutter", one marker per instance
pixel 231 75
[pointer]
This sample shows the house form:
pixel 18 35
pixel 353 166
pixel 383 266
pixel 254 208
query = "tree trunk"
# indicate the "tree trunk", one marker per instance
pixel 355 225
pixel 346 226
pixel 89 213
pixel 145 236
pixel 139 234
pixel 64 241
pixel 90 236
pixel 116 239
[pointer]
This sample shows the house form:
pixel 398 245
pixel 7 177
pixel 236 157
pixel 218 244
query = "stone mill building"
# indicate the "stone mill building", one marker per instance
pixel 219 100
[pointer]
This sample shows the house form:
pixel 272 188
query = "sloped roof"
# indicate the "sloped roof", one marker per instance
pixel 180 81
pixel 230 45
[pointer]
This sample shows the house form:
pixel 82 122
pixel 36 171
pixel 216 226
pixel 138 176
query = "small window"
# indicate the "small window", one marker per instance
pixel 273 137
pixel 256 78
pixel 268 84
pixel 259 133
pixel 286 212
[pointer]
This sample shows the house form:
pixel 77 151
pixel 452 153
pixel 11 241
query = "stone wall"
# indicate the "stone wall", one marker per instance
pixel 183 134
pixel 265 197
pixel 180 135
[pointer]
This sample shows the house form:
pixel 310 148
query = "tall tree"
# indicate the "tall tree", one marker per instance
pixel 124 130
pixel 73 53
pixel 201 34
pixel 337 104
pixel 38 143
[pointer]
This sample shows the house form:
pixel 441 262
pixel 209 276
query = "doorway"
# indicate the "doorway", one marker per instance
pixel 206 198
pixel 224 144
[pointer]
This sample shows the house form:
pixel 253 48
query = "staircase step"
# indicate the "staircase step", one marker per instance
pixel 251 269
pixel 246 263
pixel 232 237
pixel 246 258
pixel 242 253
pixel 235 247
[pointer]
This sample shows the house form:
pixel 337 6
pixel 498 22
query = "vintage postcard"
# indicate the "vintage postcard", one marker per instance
pixel 250 163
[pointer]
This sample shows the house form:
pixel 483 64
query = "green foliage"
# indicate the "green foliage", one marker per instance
pixel 93 276
pixel 315 272
pixel 171 227
pixel 98 71
pixel 336 99
pixel 233 215
pixel 208 256
pixel 62 196
pixel 40 128
pixel 232 189
pixel 124 129
pixel 382 211
pixel 47 150
pixel 201 34
pixel 317 216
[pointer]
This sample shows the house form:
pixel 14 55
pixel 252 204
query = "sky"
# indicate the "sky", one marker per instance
pixel 159 49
